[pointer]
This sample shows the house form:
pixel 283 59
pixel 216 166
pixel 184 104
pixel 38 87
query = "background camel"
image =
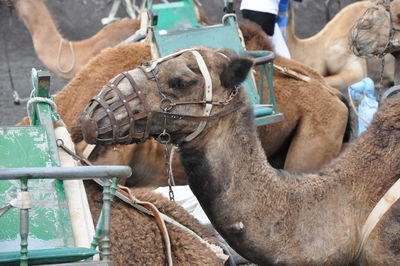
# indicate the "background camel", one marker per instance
pixel 328 51
pixel 136 239
pixel 272 217
pixel 62 57
pixel 375 33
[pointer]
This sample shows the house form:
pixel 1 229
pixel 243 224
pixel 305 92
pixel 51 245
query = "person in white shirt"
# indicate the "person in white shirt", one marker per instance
pixel 264 13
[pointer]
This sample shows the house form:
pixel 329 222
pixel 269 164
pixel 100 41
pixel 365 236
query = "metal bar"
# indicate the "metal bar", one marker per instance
pixel 261 83
pixel 98 233
pixel 24 227
pixel 271 96
pixel 261 56
pixel 65 173
pixel 269 119
pixel 100 221
pixel 42 112
pixel 85 263
pixel 264 59
pixel 107 218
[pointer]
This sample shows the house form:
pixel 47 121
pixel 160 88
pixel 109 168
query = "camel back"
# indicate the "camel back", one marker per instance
pixel 173 29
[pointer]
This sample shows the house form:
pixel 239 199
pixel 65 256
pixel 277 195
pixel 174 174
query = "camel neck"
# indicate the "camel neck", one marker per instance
pixel 248 201
pixel 269 214
pixel 37 19
pixel 246 147
pixel 291 29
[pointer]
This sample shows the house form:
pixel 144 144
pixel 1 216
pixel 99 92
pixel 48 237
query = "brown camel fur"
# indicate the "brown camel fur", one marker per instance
pixel 372 34
pixel 46 38
pixel 310 135
pixel 136 239
pixel 270 216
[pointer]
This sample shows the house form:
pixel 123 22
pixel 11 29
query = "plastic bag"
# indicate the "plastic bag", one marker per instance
pixel 364 90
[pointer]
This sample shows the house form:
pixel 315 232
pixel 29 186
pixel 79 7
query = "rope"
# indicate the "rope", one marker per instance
pixel 160 222
pixel 71 48
pixel 53 106
pixel 5 209
pixel 355 108
pixel 226 16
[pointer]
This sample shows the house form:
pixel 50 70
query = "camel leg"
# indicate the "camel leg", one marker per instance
pixel 318 139
pixel 352 72
pixel 343 79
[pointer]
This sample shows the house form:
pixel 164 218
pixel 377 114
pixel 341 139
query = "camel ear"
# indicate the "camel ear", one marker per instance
pixel 236 71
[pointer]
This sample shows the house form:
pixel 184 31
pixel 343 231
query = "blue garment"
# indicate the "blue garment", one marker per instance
pixel 368 105
pixel 283 18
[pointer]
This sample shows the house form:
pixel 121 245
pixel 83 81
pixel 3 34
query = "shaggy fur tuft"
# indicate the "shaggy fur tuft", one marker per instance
pixel 136 239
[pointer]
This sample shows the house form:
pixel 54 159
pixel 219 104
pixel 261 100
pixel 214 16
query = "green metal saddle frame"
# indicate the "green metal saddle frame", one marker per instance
pixel 29 162
pixel 174 26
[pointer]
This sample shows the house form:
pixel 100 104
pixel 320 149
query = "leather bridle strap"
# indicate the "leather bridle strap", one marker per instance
pixel 207 98
pixel 383 205
pixel 202 118
pixel 207 95
pixel 153 64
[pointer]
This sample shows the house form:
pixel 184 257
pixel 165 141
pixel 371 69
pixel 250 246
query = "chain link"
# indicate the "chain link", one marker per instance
pixel 76 157
pixel 170 177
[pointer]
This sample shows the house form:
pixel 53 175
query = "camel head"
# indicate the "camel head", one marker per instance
pixel 377 32
pixel 174 98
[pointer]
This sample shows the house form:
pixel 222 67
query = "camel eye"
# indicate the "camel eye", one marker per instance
pixel 366 25
pixel 178 83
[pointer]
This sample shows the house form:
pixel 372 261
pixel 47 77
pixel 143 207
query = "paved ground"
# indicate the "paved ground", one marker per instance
pixel 79 19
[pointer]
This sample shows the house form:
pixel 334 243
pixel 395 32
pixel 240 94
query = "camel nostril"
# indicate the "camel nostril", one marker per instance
pixel 89 130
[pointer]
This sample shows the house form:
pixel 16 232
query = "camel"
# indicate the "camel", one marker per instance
pixel 376 33
pixel 329 51
pixel 269 216
pixel 311 134
pixel 319 108
pixel 62 57
pixel 136 239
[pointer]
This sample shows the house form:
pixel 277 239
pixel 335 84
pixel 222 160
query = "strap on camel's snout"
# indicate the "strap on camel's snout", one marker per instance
pixel 113 134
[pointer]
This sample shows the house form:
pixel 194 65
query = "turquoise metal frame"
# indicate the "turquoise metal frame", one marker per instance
pixel 174 15
pixel 35 146
pixel 169 38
